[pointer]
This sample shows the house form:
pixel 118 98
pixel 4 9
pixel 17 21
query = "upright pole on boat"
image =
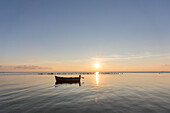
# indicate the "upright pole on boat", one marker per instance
pixel 79 76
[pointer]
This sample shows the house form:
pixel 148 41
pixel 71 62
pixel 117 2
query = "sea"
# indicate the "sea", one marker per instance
pixel 96 93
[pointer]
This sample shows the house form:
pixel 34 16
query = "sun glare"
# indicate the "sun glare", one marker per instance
pixel 97 78
pixel 96 65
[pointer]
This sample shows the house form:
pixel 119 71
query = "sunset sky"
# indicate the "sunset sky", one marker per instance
pixel 72 35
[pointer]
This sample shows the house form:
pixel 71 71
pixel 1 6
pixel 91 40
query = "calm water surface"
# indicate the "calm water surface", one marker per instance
pixel 127 93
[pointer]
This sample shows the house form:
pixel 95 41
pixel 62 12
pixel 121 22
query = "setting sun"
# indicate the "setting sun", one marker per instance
pixel 96 65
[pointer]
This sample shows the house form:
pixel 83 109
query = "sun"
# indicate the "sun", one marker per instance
pixel 96 65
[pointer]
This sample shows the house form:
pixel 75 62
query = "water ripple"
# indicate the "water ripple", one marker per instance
pixel 112 94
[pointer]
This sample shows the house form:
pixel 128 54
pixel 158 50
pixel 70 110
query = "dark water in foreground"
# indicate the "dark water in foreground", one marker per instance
pixel 127 93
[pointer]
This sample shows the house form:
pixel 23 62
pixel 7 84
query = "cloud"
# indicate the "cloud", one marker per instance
pixel 117 57
pixel 166 65
pixel 25 67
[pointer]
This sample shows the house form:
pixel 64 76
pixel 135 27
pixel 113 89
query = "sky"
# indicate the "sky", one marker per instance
pixel 72 35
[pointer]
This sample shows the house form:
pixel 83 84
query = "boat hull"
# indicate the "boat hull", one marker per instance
pixel 67 80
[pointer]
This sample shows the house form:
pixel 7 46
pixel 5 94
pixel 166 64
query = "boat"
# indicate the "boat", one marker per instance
pixel 67 79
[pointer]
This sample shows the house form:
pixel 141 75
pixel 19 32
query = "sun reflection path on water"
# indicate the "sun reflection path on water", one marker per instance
pixel 97 78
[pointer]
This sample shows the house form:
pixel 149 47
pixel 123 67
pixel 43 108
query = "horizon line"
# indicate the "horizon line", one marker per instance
pixel 90 72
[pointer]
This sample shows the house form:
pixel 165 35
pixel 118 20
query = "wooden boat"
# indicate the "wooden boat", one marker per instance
pixel 67 79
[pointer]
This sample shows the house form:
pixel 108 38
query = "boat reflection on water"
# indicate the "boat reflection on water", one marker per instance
pixel 60 83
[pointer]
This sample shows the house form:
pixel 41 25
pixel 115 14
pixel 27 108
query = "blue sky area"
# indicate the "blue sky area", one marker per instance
pixel 70 35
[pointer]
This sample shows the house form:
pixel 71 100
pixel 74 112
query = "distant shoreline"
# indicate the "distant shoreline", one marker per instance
pixel 99 72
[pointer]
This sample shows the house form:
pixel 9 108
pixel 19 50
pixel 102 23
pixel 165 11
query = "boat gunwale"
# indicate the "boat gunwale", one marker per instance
pixel 67 77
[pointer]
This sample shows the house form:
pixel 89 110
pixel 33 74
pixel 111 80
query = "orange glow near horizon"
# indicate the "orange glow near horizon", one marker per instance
pixel 91 66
